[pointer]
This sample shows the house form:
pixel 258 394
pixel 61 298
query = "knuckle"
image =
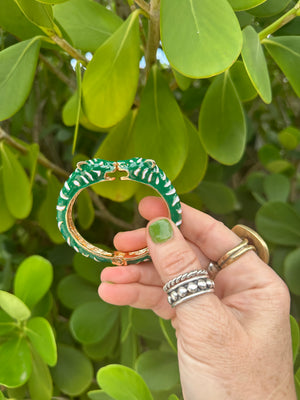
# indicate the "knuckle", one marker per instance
pixel 179 260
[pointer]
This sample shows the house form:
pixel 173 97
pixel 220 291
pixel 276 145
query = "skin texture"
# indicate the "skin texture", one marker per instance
pixel 232 344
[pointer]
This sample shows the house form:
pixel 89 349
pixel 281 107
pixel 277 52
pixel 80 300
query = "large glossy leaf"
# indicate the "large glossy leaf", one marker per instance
pixel 292 271
pixel 40 381
pixel 13 306
pixel 211 193
pixel 92 321
pixel 16 184
pixel 98 395
pixel 295 336
pixel 73 373
pixel 289 137
pixel 159 369
pixel 104 348
pixel 72 291
pixel 47 211
pixel 279 223
pixel 39 14
pixel 222 123
pixel 123 383
pixel 42 338
pixel 196 162
pixel 14 21
pixel 110 81
pixel 277 187
pixel 145 323
pixel 17 69
pixel 286 52
pixel 192 44
pixel 33 279
pixel 15 365
pixel 7 323
pixel 241 81
pixel 87 268
pixel 239 5
pixel 6 219
pixel 269 8
pixel 86 22
pixel 159 131
pixel 255 64
pixel 118 145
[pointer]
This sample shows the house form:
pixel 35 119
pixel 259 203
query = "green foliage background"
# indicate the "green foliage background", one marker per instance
pixel 217 107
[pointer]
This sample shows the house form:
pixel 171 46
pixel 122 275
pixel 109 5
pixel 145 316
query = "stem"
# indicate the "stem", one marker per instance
pixel 280 22
pixel 58 72
pixel 69 49
pixel 103 213
pixel 143 5
pixel 154 35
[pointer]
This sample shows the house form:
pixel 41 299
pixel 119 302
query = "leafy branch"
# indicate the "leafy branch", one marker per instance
pixel 62 43
pixel 102 213
pixel 153 35
pixel 143 5
pixel 280 22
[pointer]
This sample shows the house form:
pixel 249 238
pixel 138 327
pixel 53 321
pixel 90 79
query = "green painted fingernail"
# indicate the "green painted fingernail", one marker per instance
pixel 160 231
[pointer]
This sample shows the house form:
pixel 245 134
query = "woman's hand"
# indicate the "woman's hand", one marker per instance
pixel 232 344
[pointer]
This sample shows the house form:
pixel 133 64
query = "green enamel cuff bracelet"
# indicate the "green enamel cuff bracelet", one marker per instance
pixel 96 170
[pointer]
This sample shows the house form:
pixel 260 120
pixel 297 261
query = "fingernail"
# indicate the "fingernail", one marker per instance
pixel 160 231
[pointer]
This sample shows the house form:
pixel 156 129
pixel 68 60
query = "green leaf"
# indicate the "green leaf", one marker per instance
pixel 292 271
pixel 123 383
pixel 92 321
pixel 42 338
pixel 118 145
pixel 145 323
pixel 211 193
pixel 222 123
pixel 279 223
pixel 51 1
pixel 16 184
pixel 173 397
pixel 295 336
pixel 87 268
pixel 40 381
pixel 85 208
pixel 239 5
pixel 98 395
pixel 285 51
pixel 39 14
pixel 255 64
pixel 182 81
pixel 14 21
pixel 16 364
pixel 7 324
pixel 158 369
pixel 192 44
pixel 159 125
pixel 72 291
pixel 73 372
pixel 33 154
pixel 241 81
pixel 289 137
pixel 13 306
pixel 87 23
pixel 105 347
pixel 6 219
pixel 268 153
pixel 111 78
pixel 269 8
pixel 277 187
pixel 78 104
pixel 169 333
pixel 33 279
pixel 195 165
pixel 47 211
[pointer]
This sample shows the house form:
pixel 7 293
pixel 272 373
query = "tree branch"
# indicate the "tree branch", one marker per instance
pixel 280 22
pixel 153 35
pixel 103 213
pixel 69 49
pixel 56 71
pixel 143 5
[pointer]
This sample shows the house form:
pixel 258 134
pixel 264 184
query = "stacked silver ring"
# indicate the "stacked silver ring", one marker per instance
pixel 188 285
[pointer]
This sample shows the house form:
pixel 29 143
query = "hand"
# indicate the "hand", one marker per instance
pixel 232 344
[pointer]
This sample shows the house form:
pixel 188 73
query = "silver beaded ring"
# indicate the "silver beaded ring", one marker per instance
pixel 96 170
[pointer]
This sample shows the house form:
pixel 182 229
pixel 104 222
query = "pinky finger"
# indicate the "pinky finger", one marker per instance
pixel 138 296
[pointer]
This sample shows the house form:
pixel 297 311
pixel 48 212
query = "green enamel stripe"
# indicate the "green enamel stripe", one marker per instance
pixel 93 171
